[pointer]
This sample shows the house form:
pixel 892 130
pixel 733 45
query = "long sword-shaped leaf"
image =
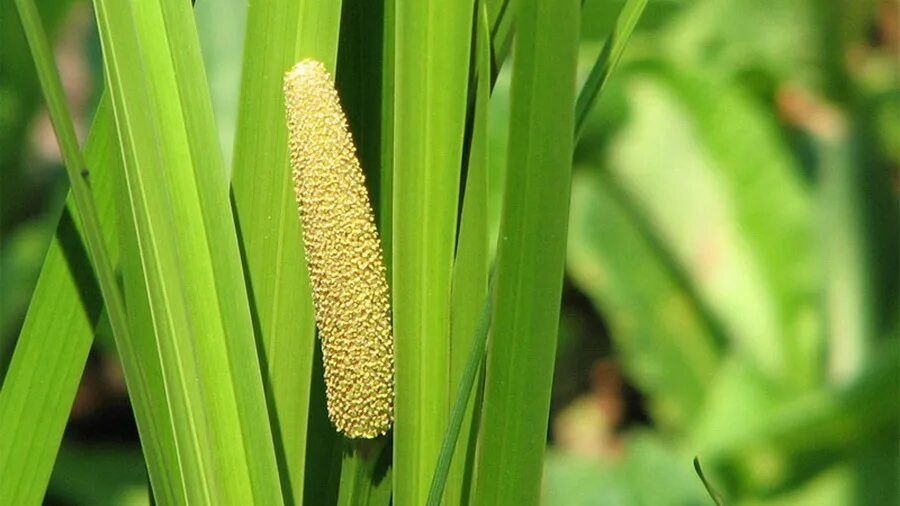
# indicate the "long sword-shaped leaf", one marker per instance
pixel 432 42
pixel 279 34
pixel 470 288
pixel 147 236
pixel 531 255
pixel 184 278
pixel 211 190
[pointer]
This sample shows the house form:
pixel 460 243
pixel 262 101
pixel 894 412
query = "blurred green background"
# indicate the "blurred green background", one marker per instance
pixel 733 271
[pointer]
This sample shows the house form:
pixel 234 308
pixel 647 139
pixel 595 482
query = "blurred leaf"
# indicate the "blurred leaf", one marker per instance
pixel 727 38
pixel 875 484
pixel 647 472
pixel 723 194
pixel 831 488
pixel 20 98
pixel 860 236
pixel 886 126
pixel 773 441
pixel 661 338
pixel 739 397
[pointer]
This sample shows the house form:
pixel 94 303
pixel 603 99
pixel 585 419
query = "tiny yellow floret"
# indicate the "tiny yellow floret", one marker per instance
pixel 343 254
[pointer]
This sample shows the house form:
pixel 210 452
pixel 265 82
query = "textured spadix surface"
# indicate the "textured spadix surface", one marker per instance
pixel 343 254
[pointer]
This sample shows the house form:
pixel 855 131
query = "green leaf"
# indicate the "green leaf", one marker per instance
pixel 752 271
pixel 324 452
pixel 531 255
pixel 64 308
pixel 647 470
pixel 222 248
pixel 498 151
pixel 279 34
pixel 363 473
pixel 185 292
pixel 469 290
pixel 501 20
pixel 670 351
pixel 432 46
pixel 858 227
pixel 750 424
pixel 386 176
pixel 360 84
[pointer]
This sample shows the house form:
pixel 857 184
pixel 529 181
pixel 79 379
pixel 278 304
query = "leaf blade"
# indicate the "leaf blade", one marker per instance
pixel 531 254
pixel 278 34
pixel 430 84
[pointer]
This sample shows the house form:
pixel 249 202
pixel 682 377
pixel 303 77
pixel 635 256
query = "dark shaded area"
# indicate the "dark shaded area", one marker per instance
pixel 107 416
pixel 359 82
pixel 79 265
pixel 583 352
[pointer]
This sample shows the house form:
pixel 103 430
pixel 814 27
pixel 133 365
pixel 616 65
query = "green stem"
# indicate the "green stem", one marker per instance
pixel 717 499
